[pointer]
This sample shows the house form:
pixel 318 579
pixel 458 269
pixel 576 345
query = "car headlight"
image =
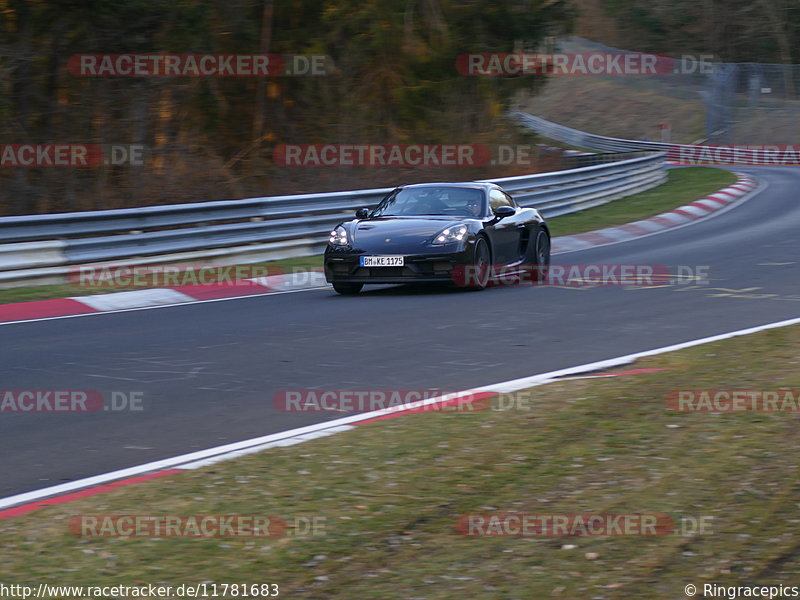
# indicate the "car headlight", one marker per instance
pixel 339 237
pixel 451 234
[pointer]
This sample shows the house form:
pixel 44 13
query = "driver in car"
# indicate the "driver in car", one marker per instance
pixel 474 206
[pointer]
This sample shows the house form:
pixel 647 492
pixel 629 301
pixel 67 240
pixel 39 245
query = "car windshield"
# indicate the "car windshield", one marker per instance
pixel 467 202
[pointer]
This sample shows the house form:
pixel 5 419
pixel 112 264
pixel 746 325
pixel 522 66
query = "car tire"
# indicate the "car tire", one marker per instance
pixel 539 256
pixel 481 261
pixel 347 289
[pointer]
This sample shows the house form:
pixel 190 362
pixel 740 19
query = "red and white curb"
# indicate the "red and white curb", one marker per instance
pixel 21 504
pixel 115 301
pixel 147 298
pixel 680 216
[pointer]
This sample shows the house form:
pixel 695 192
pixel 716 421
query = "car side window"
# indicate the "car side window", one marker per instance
pixel 498 199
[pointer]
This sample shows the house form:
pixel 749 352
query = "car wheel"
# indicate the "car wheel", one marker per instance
pixel 540 259
pixel 481 266
pixel 348 289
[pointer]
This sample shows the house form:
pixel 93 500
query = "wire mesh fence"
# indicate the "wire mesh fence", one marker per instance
pixel 742 103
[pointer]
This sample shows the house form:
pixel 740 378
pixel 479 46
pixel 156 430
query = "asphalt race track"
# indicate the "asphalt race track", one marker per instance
pixel 209 371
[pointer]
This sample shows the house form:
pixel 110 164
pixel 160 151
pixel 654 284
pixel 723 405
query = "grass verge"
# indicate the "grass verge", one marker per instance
pixel 391 492
pixel 683 186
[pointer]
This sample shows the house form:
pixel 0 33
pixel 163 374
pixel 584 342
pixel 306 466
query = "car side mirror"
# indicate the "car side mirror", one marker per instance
pixel 362 213
pixel 501 212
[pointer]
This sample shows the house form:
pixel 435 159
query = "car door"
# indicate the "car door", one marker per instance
pixel 506 234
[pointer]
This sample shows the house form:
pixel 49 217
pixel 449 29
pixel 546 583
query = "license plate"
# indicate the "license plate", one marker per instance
pixel 382 261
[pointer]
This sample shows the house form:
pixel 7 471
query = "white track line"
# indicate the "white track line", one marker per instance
pixel 336 425
pixel 124 310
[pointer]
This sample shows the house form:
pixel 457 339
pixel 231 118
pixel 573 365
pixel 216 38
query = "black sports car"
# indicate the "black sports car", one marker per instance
pixel 434 232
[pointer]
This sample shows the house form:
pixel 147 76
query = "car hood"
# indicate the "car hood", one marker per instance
pixel 392 233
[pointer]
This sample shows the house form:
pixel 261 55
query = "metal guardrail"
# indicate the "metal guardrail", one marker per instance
pixel 68 225
pixel 575 137
pixel 696 154
pixel 564 192
pixel 273 222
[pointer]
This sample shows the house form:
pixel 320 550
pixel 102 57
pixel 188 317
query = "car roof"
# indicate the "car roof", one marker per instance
pixel 477 185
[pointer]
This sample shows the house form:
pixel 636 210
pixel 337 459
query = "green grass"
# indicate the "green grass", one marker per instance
pixel 683 185
pixel 391 492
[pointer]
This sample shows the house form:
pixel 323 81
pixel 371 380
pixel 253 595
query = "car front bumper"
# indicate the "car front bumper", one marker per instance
pixel 344 267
